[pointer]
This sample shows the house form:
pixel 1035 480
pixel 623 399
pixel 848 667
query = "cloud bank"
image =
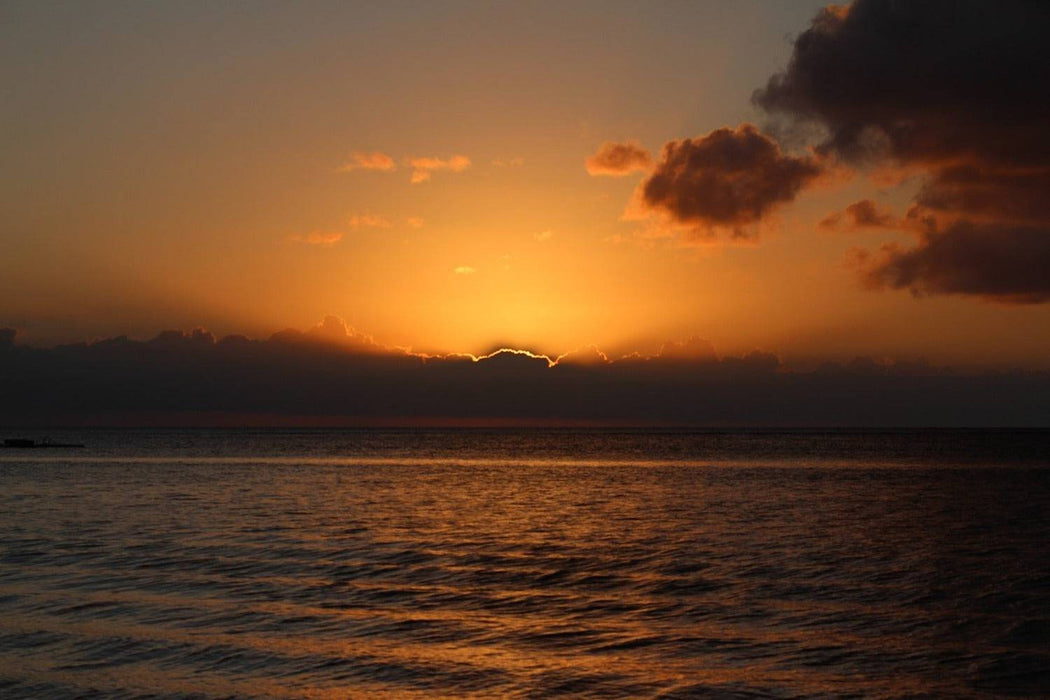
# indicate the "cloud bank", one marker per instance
pixel 332 374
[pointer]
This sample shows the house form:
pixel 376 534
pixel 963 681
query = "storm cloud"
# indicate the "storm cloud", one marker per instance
pixel 957 91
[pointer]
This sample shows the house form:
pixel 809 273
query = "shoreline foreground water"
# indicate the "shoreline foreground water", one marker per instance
pixel 675 563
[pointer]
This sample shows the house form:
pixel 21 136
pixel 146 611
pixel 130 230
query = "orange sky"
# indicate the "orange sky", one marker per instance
pixel 183 165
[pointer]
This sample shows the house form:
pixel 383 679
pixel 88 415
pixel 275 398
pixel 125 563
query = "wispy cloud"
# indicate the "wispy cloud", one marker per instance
pixel 369 161
pixel 464 270
pixel 543 235
pixel 618 159
pixel 423 167
pixel 508 162
pixel 369 221
pixel 415 222
pixel 864 214
pixel 319 238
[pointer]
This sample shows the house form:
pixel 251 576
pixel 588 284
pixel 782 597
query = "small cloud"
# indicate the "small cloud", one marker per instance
pixel 864 214
pixel 729 179
pixel 543 235
pixel 422 168
pixel 618 159
pixel 369 161
pixel 464 270
pixel 318 238
pixel 509 163
pixel 368 221
pixel 415 222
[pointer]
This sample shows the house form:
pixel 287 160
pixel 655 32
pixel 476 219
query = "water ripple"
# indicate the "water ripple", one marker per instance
pixel 233 577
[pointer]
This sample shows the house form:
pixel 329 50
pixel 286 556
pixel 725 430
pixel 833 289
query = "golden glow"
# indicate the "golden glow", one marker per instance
pixel 432 189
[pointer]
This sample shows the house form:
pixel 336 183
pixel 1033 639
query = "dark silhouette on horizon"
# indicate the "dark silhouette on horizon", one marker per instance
pixel 302 378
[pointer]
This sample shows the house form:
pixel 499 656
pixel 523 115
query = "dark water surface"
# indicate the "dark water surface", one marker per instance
pixel 529 563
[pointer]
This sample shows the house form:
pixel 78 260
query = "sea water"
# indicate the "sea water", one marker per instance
pixel 363 563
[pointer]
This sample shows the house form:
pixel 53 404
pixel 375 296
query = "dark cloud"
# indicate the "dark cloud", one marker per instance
pixel 727 179
pixel 929 81
pixel 864 214
pixel 1007 264
pixel 955 89
pixel 299 379
pixel 986 193
pixel 694 349
pixel 619 159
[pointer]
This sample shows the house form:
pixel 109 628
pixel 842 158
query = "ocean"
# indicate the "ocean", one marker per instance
pixel 526 563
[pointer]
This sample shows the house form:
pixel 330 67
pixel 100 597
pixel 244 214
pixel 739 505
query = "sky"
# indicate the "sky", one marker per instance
pixel 458 177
